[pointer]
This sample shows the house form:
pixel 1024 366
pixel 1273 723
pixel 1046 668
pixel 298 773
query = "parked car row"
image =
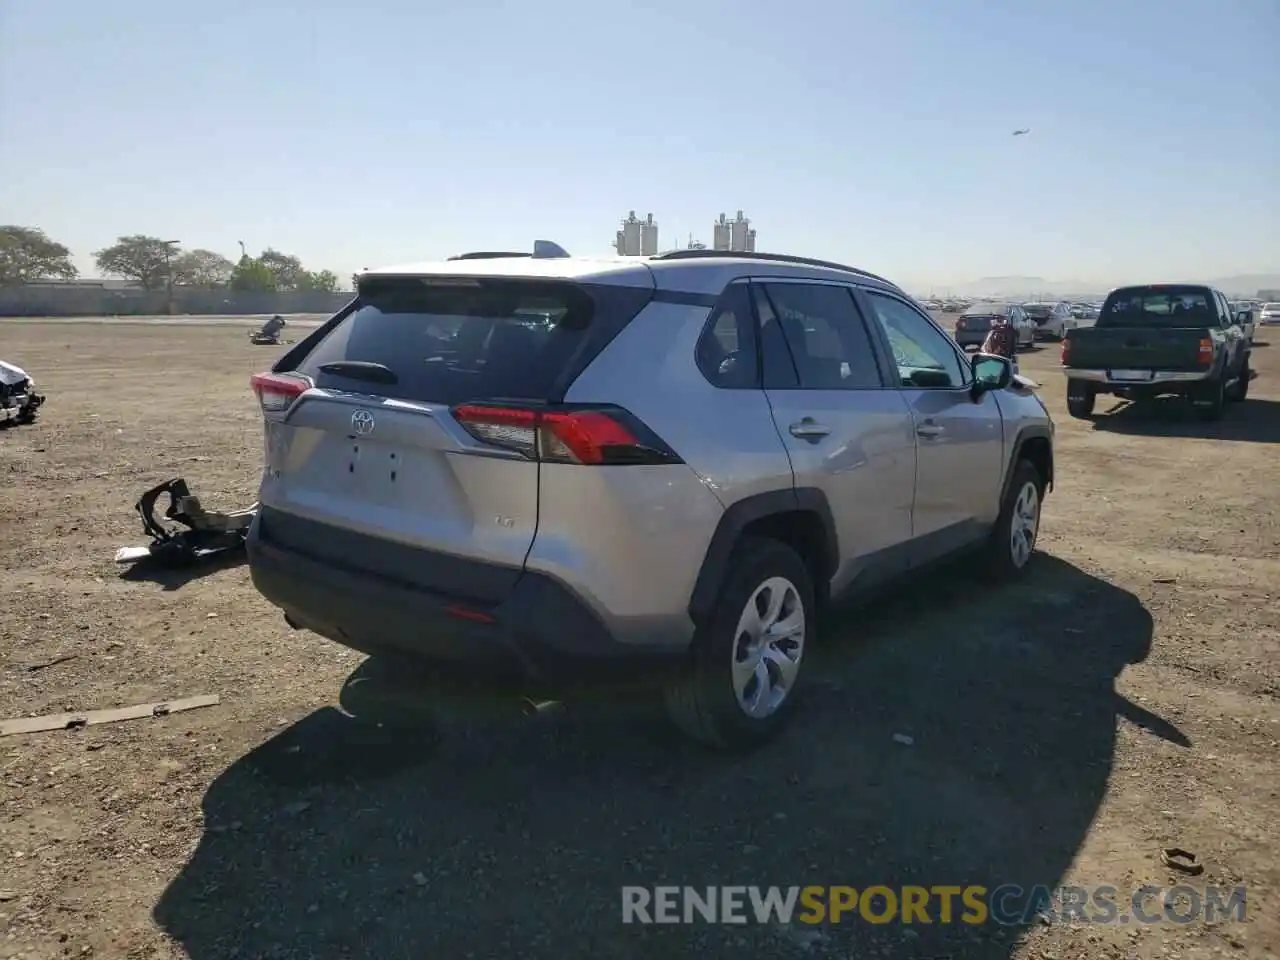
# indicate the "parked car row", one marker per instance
pixel 1032 321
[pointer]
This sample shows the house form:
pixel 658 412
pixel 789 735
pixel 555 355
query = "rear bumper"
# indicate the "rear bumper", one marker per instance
pixel 1159 378
pixel 541 632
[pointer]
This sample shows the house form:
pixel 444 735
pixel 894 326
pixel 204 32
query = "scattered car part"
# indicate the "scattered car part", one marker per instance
pixel 208 532
pixel 73 721
pixel 1184 861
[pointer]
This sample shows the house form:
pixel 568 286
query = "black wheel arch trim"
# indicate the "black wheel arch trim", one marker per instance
pixel 1031 432
pixel 740 515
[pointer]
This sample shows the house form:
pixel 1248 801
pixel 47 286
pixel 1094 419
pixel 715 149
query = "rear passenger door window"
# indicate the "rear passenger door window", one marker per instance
pixel 726 351
pixel 819 326
pixel 924 355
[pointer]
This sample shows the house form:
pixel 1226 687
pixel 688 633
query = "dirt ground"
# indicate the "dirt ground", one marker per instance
pixel 1123 700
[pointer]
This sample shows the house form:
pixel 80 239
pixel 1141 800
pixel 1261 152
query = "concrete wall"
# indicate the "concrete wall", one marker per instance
pixel 78 301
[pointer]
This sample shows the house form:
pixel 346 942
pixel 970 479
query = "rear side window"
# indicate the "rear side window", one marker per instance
pixel 726 351
pixel 827 338
pixel 1164 306
pixel 449 343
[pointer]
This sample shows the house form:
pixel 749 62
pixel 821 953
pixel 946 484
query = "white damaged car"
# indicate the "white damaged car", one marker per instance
pixel 18 398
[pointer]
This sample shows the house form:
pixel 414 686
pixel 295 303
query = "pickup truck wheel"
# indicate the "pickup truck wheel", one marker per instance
pixel 1240 391
pixel 1013 540
pixel 1080 401
pixel 1210 400
pixel 740 684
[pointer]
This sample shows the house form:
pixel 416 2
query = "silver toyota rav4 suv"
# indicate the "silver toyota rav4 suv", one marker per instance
pixel 540 463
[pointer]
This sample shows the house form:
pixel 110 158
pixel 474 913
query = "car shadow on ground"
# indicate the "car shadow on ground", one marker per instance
pixel 1252 420
pixel 952 735
pixel 171 577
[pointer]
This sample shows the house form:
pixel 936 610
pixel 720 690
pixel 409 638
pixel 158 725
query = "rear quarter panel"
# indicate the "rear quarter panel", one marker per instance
pixel 633 540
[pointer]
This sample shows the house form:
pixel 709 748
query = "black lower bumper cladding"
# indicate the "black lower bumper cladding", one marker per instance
pixel 207 532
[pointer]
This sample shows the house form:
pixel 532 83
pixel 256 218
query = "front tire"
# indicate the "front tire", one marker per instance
pixel 1013 540
pixel 741 683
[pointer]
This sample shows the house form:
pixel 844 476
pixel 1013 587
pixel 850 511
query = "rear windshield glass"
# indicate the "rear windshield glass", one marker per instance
pixel 1158 307
pixel 987 310
pixel 451 344
pixel 1038 311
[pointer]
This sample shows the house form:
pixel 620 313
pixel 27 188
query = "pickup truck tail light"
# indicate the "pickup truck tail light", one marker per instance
pixel 1066 349
pixel 1205 356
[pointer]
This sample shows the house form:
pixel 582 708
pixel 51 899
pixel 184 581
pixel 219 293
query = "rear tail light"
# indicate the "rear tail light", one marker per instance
pixel 1066 349
pixel 1205 355
pixel 587 435
pixel 277 391
pixel 960 324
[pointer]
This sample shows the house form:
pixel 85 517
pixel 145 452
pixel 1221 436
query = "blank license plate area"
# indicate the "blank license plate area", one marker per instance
pixel 1130 374
pixel 376 473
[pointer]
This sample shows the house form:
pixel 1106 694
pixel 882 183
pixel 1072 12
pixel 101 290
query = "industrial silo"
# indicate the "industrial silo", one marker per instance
pixel 721 234
pixel 738 233
pixel 649 237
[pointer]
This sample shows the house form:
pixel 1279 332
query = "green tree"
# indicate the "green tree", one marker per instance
pixel 202 268
pixel 286 269
pixel 145 260
pixel 251 275
pixel 27 254
pixel 324 280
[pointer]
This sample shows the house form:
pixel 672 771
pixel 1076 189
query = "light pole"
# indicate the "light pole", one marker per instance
pixel 168 270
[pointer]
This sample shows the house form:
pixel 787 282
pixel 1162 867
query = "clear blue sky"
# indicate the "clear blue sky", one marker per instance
pixel 876 132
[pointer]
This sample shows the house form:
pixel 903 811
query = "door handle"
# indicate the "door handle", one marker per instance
pixel 808 429
pixel 929 429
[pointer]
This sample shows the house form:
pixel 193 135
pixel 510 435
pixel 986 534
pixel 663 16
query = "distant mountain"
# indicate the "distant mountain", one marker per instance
pixel 999 288
pixel 1013 288
pixel 1248 284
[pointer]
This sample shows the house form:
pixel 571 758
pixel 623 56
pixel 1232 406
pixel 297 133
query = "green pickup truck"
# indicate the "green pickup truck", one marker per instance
pixel 1159 339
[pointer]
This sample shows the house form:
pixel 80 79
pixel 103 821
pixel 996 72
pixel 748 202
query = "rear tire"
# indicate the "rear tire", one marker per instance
pixel 740 685
pixel 1080 401
pixel 1210 400
pixel 1012 544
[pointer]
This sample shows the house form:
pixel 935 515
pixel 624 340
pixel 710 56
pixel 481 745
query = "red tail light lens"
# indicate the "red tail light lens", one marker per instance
pixel 1205 354
pixel 1066 348
pixel 277 391
pixel 960 324
pixel 603 436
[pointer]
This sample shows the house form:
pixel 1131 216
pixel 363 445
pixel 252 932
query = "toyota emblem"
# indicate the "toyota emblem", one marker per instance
pixel 362 422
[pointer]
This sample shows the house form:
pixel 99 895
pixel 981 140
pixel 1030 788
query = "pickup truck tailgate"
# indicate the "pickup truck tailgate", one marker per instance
pixel 1135 348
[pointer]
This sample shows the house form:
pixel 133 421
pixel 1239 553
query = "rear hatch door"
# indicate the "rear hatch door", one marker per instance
pixel 977 323
pixel 369 470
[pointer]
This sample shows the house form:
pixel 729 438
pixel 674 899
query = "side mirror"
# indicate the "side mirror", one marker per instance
pixel 990 372
pixel 1244 316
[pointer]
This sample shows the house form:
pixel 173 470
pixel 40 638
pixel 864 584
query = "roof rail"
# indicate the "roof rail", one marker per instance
pixel 489 255
pixel 777 257
pixel 542 250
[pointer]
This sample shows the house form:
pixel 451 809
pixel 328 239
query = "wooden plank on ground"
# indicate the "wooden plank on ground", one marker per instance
pixel 72 721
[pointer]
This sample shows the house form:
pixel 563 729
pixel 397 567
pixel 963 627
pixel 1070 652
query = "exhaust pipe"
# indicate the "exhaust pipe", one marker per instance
pixel 533 708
